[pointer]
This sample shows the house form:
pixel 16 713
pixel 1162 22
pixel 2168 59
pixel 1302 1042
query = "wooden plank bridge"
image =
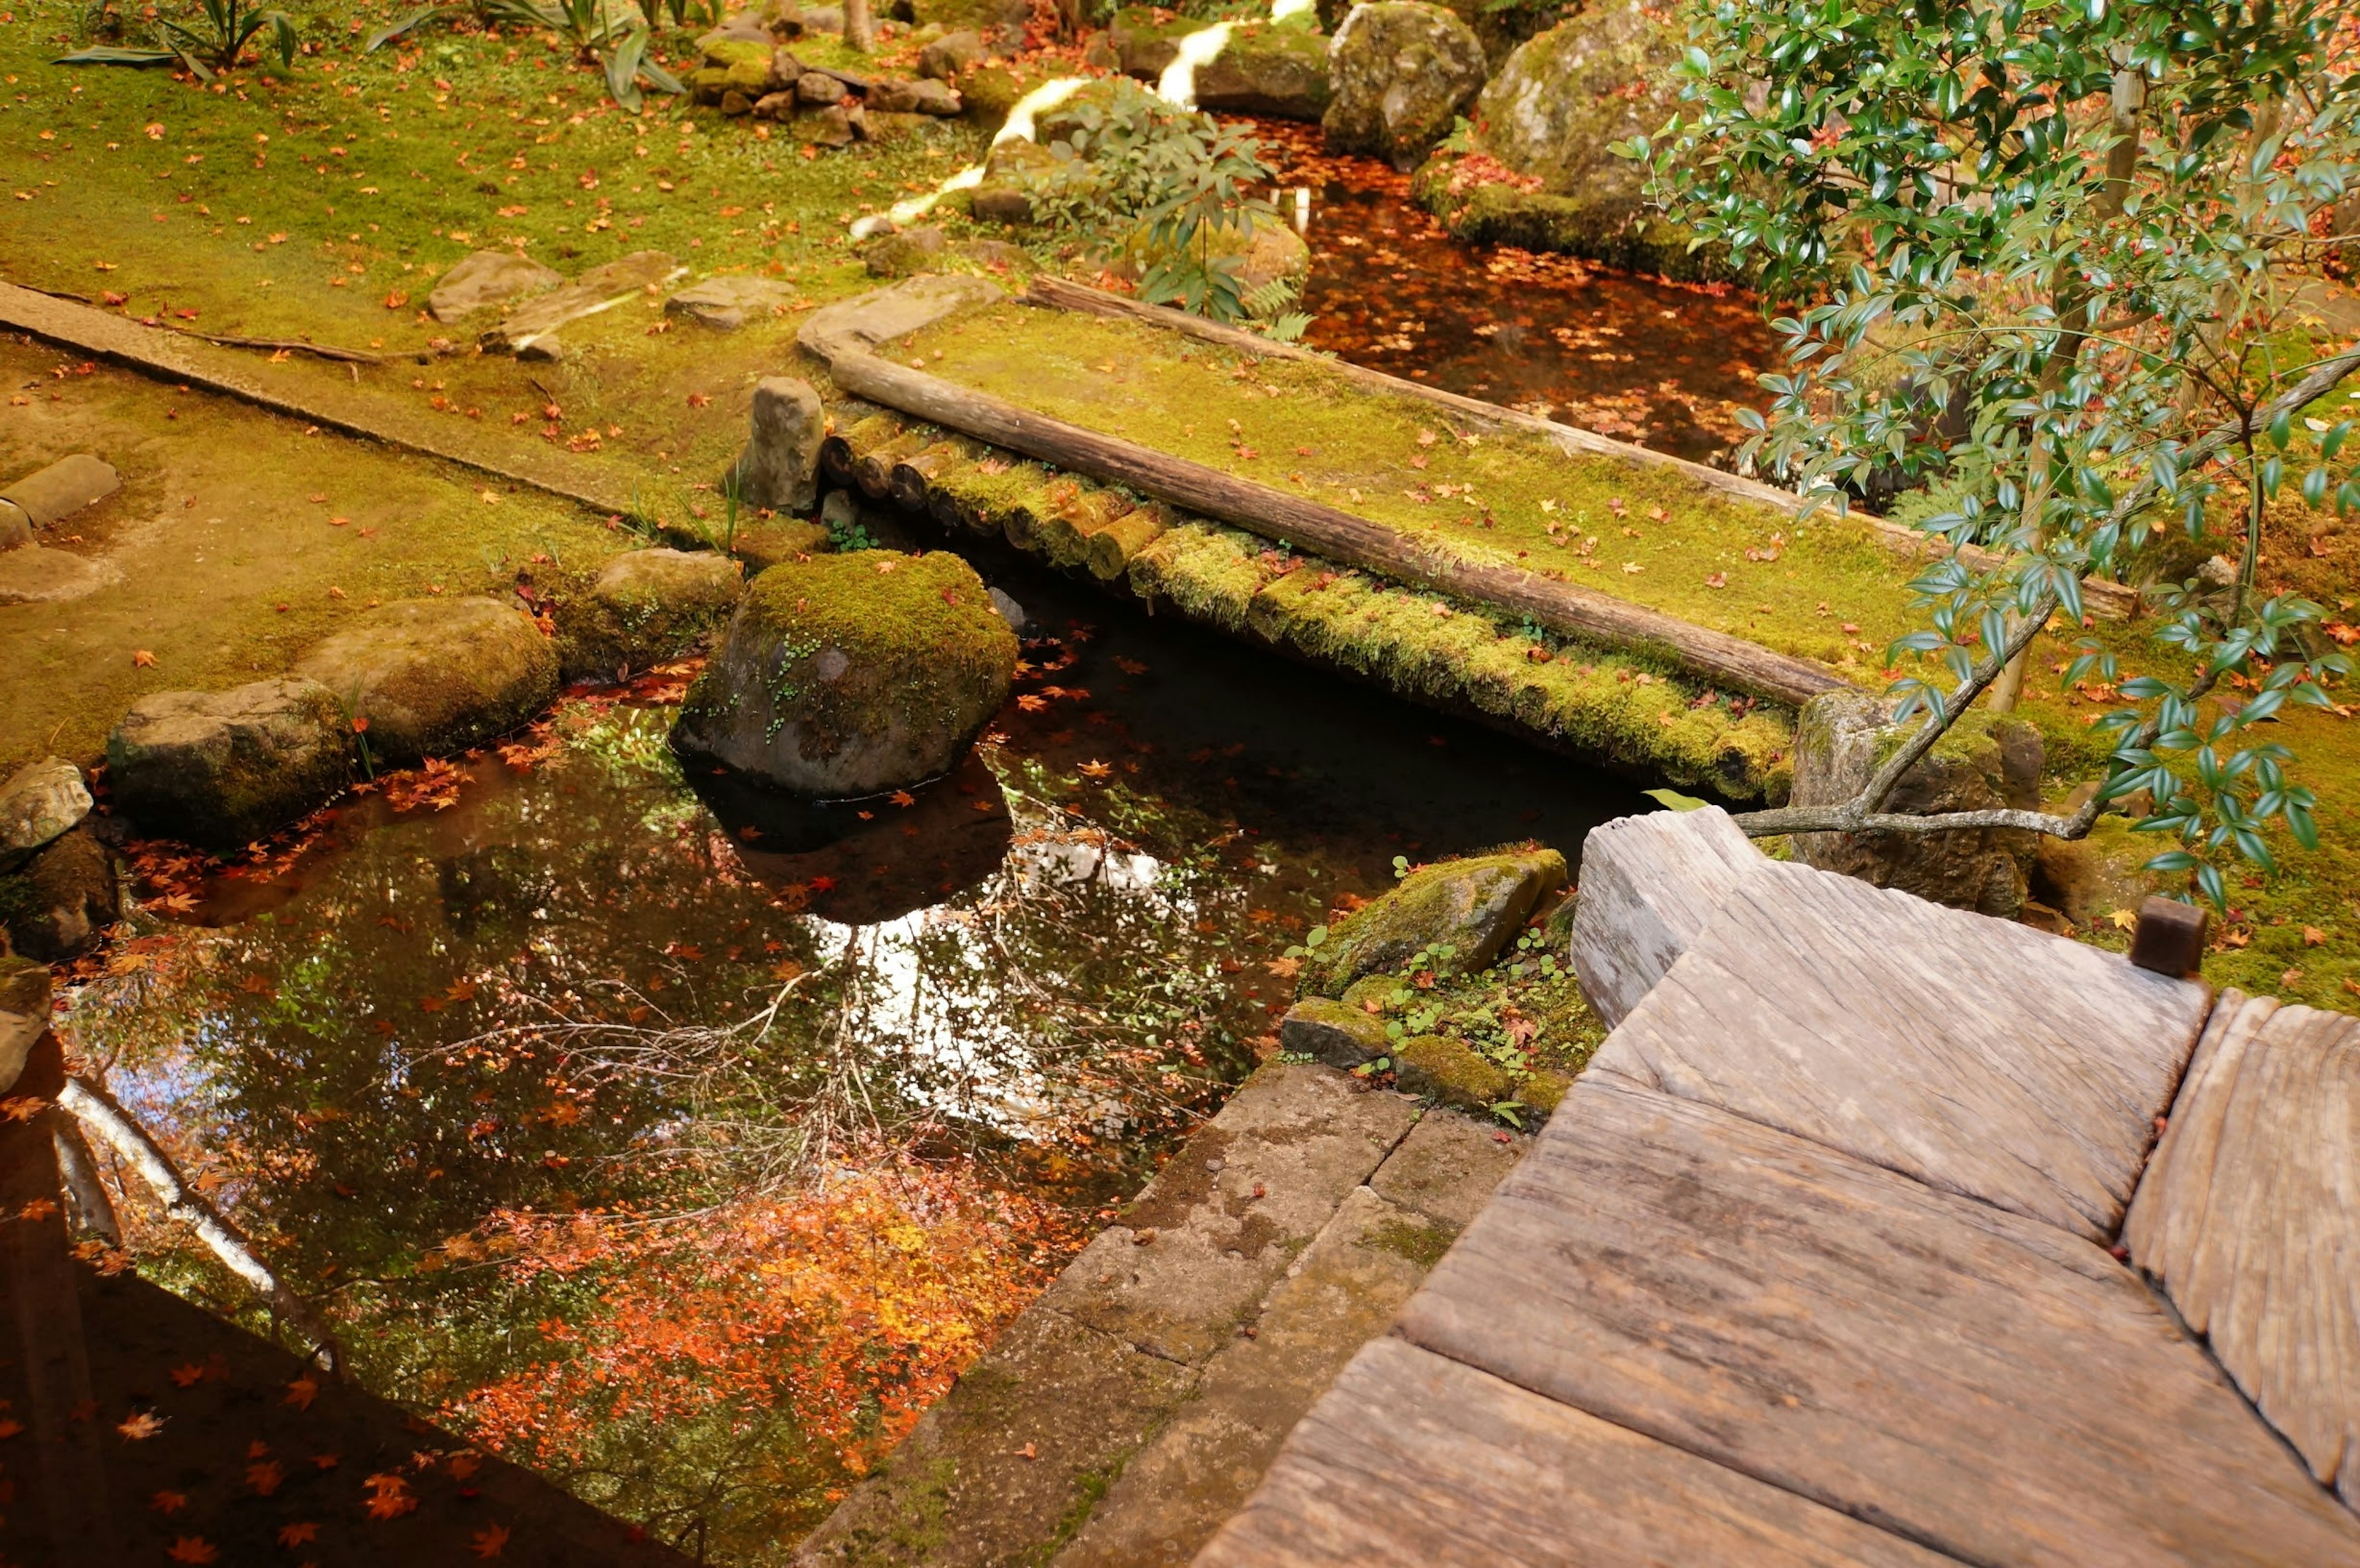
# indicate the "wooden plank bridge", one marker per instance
pixel 1857 1245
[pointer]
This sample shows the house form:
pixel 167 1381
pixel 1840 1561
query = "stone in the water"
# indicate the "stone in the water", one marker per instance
pixel 729 304
pixel 1474 906
pixel 64 487
pixel 63 899
pixel 223 769
pixel 435 676
pixel 1401 72
pixel 1985 763
pixel 33 574
pixel 1338 1033
pixel 779 470
pixel 39 801
pixel 851 674
pixel 485 278
pixel 24 1013
pixel 1010 611
pixel 647 605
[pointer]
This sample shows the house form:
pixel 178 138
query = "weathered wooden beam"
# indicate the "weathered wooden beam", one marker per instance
pixel 1730 662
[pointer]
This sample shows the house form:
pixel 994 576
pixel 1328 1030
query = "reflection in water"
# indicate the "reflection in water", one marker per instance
pixel 1663 365
pixel 682 1143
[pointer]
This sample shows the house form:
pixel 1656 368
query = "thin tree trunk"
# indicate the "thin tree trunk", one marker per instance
pixel 96 1110
pixel 859 32
pixel 88 1208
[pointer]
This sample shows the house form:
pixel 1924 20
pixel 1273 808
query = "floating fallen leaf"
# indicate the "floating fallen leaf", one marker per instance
pixel 903 798
pixel 489 1541
pixel 140 1424
pixel 168 1502
pixel 1097 769
pixel 265 1478
pixel 302 1391
pixel 192 1549
pixel 389 1497
pixel 302 1532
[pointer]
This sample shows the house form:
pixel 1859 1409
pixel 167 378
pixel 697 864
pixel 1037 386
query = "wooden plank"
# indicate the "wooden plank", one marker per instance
pixel 1979 1382
pixel 2114 601
pixel 1649 886
pixel 1566 607
pixel 2249 1217
pixel 1414 1460
pixel 1982 1057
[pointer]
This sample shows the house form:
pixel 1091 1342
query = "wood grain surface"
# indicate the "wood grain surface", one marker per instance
pixel 1982 1057
pixel 1978 1382
pixel 2249 1218
pixel 1649 885
pixel 1415 1460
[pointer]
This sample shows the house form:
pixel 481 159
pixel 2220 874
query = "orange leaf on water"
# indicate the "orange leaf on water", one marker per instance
pixel 301 1534
pixel 187 1376
pixel 265 1478
pixel 139 1424
pixel 302 1391
pixel 389 1497
pixel 193 1548
pixel 489 1541
pixel 168 1502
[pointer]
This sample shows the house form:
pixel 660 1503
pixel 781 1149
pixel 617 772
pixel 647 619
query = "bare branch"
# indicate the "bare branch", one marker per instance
pixel 95 1109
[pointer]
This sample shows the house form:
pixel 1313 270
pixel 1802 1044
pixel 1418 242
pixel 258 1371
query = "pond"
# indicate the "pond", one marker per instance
pixel 1664 364
pixel 683 1144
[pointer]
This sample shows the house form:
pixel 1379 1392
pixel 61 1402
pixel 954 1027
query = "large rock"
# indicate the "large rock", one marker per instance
pixel 1262 69
pixel 1341 1034
pixel 647 605
pixel 1984 764
pixel 435 676
pixel 24 1013
pixel 59 905
pixel 1474 906
pixel 39 801
pixel 1563 98
pixel 485 278
pixel 779 470
pixel 949 55
pixel 860 324
pixel 1400 72
pixel 851 674
pixel 227 767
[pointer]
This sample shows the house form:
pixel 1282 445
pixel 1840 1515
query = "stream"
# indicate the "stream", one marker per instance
pixel 616 1112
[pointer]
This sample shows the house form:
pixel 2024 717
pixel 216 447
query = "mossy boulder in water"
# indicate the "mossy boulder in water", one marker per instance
pixel 63 899
pixel 647 605
pixel 1264 67
pixel 1341 1034
pixel 851 674
pixel 1474 906
pixel 1985 763
pixel 1539 173
pixel 24 1013
pixel 434 676
pixel 225 768
pixel 1400 72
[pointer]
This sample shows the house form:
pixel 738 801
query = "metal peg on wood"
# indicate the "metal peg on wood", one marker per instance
pixel 2169 937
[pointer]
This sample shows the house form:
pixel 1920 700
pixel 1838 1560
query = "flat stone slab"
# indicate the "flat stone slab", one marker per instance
pixel 601 289
pixel 1649 884
pixel 30 574
pixel 729 304
pixel 2249 1217
pixel 859 324
pixel 1979 1056
pixel 1196 1252
pixel 1414 1461
pixel 485 278
pixel 1976 1381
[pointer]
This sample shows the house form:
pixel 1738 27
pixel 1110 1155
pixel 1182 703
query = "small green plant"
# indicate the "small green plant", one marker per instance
pixel 212 41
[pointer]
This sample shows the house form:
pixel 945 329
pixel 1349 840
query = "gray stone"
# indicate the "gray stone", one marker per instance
pixel 546 348
pixel 831 126
pixel 64 487
pixel 862 323
pixel 924 96
pixel 1010 611
pixel 224 769
pixel 904 255
pixel 63 899
pixel 1400 72
pixel 818 89
pixel 1447 1167
pixel 785 71
pixel 779 105
pixel 16 528
pixel 943 60
pixel 24 1013
pixel 435 676
pixel 1564 96
pixel 729 304
pixel 779 470
pixel 1338 1033
pixel 647 605
pixel 735 104
pixel 1474 906
pixel 1984 764
pixel 39 801
pixel 595 291
pixel 31 574
pixel 840 513
pixel 852 674
pixel 485 278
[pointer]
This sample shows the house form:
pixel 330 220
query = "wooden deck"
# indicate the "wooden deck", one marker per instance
pixel 1819 1263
